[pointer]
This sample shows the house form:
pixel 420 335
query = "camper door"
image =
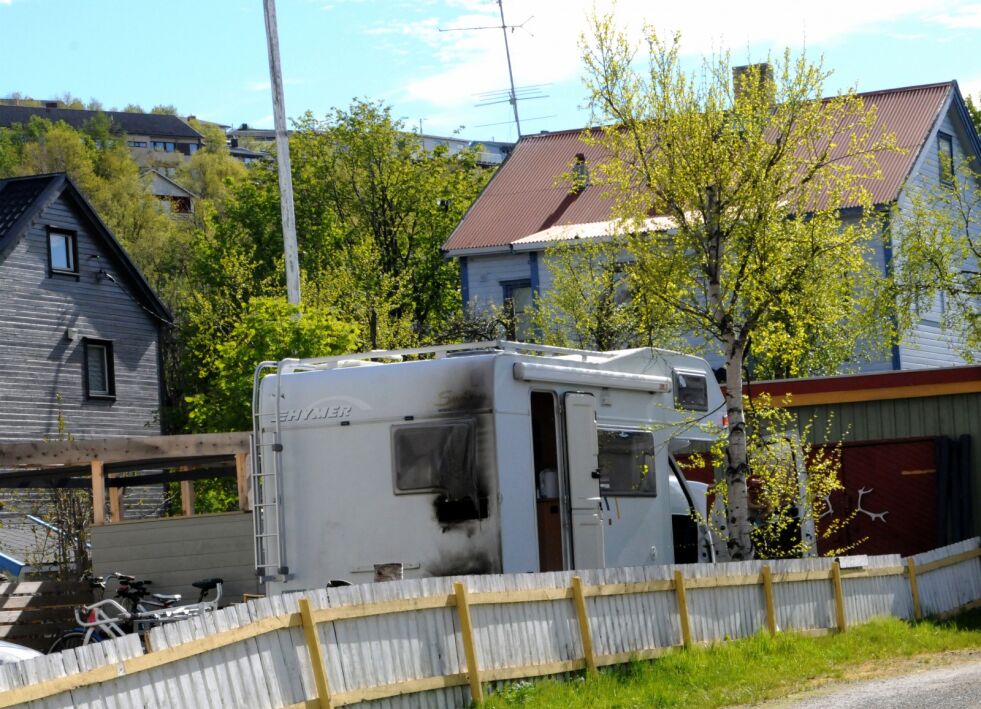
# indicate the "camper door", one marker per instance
pixel 582 449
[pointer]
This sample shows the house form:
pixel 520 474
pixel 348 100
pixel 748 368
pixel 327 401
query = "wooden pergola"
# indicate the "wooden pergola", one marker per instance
pixel 108 465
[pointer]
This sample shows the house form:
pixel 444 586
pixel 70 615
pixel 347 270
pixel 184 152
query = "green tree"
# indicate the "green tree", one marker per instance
pixel 974 110
pixel 372 210
pixel 752 176
pixel 267 329
pixel 938 255
pixel 589 304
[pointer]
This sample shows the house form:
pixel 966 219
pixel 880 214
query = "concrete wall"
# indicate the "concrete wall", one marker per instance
pixel 173 552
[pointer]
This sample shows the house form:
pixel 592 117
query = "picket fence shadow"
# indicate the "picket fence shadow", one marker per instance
pixel 442 641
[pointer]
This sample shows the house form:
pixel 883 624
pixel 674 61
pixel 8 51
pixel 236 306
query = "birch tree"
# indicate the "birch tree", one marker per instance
pixel 753 174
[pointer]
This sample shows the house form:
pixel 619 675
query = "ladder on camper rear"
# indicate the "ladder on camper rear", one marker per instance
pixel 267 508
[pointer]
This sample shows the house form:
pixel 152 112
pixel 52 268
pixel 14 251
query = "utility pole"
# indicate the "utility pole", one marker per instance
pixel 282 157
pixel 507 53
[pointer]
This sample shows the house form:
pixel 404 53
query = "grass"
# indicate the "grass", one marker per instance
pixel 748 670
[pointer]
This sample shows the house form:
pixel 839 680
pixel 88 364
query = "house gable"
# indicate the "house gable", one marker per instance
pixel 50 320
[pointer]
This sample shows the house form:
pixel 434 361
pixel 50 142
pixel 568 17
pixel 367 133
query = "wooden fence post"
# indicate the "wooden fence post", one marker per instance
pixel 679 589
pixel 587 637
pixel 115 504
pixel 914 589
pixel 469 648
pixel 316 654
pixel 187 497
pixel 839 597
pixel 98 493
pixel 242 480
pixel 771 612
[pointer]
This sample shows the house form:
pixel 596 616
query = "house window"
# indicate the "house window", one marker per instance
pixel 626 464
pixel 165 146
pixel 945 156
pixel 433 457
pixel 517 309
pixel 136 143
pixel 192 148
pixel 99 371
pixel 62 251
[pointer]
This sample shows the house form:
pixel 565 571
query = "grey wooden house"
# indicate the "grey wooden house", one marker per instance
pixel 80 326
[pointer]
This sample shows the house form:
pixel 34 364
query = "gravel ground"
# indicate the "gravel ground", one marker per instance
pixel 955 686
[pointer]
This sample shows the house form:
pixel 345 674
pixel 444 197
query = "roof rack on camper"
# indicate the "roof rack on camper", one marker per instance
pixel 436 352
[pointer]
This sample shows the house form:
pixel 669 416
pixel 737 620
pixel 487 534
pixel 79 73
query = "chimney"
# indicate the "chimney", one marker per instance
pixel 761 73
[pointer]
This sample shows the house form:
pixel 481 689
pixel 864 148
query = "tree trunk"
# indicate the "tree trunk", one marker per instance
pixel 740 543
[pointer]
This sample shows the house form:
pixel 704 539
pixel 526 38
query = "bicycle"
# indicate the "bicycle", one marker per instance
pixel 108 618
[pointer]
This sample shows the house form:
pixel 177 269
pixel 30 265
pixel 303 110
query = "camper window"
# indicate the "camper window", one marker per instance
pixel 429 457
pixel 690 390
pixel 626 463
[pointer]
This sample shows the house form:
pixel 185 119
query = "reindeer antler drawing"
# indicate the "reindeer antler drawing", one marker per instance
pixel 858 507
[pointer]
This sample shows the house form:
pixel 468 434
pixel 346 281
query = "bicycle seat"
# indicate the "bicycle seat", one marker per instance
pixel 207 584
pixel 166 597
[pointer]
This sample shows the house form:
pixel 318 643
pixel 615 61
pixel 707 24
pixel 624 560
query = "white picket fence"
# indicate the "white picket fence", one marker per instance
pixel 438 642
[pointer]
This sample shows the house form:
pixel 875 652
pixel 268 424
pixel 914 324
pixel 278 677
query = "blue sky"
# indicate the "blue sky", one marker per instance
pixel 208 57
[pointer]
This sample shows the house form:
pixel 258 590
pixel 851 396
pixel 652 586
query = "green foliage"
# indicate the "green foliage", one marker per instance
pixel 750 178
pixel 790 484
pixel 268 328
pixel 728 674
pixel 974 111
pixel 100 164
pixel 588 304
pixel 938 252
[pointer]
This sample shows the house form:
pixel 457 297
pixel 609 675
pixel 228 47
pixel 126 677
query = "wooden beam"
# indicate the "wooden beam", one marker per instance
pixel 42 454
pixel 679 589
pixel 98 494
pixel 116 504
pixel 469 643
pixel 316 654
pixel 583 616
pixel 839 597
pixel 914 589
pixel 242 461
pixel 187 498
pixel 771 613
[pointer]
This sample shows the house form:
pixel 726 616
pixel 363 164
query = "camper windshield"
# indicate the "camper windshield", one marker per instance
pixel 433 456
pixel 626 463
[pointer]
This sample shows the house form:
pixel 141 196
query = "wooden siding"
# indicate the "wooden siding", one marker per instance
pixel 173 552
pixel 951 416
pixel 41 371
pixel 928 345
pixel 485 274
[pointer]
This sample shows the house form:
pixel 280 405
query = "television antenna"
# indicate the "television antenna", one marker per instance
pixel 505 96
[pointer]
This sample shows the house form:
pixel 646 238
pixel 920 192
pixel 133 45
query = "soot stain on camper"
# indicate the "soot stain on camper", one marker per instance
pixel 466 497
pixel 464 564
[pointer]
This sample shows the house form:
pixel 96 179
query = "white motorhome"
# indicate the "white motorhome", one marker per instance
pixel 491 457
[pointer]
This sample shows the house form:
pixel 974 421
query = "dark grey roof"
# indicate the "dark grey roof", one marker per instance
pixel 151 124
pixel 22 198
pixel 15 198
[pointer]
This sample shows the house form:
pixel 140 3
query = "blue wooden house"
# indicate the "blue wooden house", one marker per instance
pixel 502 241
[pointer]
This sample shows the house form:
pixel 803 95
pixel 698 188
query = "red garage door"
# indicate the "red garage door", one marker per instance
pixel 892 484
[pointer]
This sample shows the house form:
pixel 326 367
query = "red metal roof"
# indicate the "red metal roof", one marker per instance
pixel 527 195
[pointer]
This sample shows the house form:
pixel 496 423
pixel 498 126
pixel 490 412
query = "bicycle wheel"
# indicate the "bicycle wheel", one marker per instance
pixel 67 640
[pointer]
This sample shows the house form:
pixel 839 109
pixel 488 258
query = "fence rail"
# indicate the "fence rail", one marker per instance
pixel 439 642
